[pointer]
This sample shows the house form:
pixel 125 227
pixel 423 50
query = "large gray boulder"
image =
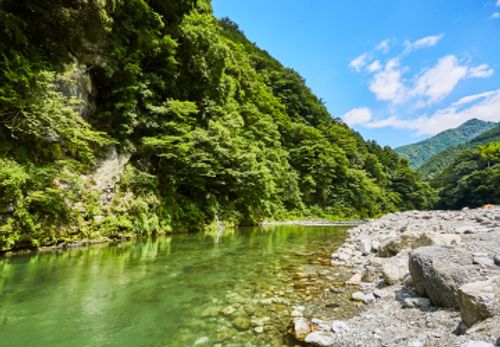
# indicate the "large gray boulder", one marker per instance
pixel 479 300
pixel 439 271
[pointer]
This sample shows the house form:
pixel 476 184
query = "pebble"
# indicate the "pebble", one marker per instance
pixel 320 338
pixel 339 326
pixel 496 260
pixel 416 302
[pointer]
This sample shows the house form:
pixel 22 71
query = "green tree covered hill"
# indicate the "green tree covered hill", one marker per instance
pixel 437 163
pixel 197 120
pixel 473 178
pixel 420 152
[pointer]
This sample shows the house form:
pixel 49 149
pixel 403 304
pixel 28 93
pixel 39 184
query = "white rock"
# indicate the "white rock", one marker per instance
pixel 339 326
pixel 477 344
pixel 301 327
pixel 416 302
pixel 321 324
pixel 365 246
pixel 358 296
pixel 320 338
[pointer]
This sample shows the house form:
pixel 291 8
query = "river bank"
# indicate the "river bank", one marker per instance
pixel 421 278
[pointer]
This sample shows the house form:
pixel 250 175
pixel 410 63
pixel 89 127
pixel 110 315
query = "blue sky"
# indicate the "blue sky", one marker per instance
pixel 396 71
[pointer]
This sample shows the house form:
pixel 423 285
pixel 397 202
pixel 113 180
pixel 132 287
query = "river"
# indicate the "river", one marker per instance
pixel 181 290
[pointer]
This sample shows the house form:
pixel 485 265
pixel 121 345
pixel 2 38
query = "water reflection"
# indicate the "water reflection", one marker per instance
pixel 161 292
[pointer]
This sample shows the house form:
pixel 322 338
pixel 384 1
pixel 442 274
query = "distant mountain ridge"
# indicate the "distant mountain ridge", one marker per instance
pixel 437 163
pixel 420 152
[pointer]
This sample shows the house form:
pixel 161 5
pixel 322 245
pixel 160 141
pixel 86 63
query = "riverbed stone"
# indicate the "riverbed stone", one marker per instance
pixel 320 338
pixel 496 259
pixel 242 323
pixel 395 270
pixel 339 327
pixel 301 328
pixel 365 246
pixel 416 302
pixel 228 310
pixel 438 272
pixel 202 341
pixel 479 300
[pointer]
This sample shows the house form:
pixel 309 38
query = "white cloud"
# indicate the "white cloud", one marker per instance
pixel 487 108
pixel 374 67
pixel 495 15
pixel 359 62
pixel 480 71
pixel 361 115
pixel 498 3
pixel 387 84
pixel 384 45
pixel 439 81
pixel 471 98
pixel 427 41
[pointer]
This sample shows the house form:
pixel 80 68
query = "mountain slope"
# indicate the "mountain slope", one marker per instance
pixel 443 159
pixel 139 117
pixel 420 152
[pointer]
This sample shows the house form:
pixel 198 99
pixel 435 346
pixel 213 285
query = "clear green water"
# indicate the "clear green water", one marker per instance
pixel 172 291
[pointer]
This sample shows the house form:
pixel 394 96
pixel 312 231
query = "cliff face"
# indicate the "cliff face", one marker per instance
pixel 144 116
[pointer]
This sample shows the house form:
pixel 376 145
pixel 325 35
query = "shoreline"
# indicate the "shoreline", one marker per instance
pixel 421 278
pixel 313 222
pixel 106 240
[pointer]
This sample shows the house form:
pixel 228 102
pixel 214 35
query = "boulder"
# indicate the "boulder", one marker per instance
pixel 438 272
pixel 392 246
pixel 395 270
pixel 320 338
pixel 479 300
pixel 436 240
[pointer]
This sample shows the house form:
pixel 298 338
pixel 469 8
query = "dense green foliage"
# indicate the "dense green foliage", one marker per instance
pixel 213 125
pixel 419 153
pixel 437 163
pixel 472 180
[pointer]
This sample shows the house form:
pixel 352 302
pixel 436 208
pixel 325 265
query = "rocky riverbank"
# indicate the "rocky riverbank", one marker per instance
pixel 423 279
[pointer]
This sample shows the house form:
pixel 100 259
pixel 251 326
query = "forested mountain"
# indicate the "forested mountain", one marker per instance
pixel 473 178
pixel 445 158
pixel 420 152
pixel 135 117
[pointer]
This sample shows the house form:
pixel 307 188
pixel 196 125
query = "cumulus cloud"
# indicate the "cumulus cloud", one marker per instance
pixel 387 84
pixel 495 15
pixel 427 41
pixel 440 80
pixel 358 116
pixel 359 62
pixel 484 106
pixel 498 3
pixel 429 86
